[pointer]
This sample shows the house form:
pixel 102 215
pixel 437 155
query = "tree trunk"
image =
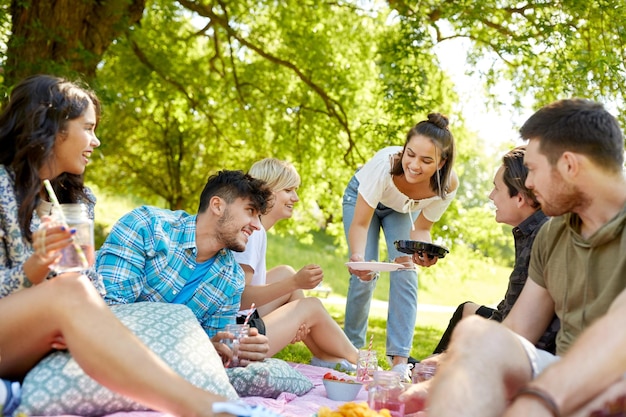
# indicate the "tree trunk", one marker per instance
pixel 65 37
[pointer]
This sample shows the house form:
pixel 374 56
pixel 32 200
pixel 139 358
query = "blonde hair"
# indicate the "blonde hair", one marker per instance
pixel 279 175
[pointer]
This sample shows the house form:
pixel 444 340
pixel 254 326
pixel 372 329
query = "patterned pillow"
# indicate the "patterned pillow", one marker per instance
pixel 268 379
pixel 57 385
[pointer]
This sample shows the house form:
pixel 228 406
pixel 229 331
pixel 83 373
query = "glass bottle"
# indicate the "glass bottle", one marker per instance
pixel 80 254
pixel 384 391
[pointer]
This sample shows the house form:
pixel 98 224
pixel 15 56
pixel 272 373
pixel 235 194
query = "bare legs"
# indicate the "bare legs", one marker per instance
pixel 325 340
pixel 484 366
pixel 283 317
pixel 69 309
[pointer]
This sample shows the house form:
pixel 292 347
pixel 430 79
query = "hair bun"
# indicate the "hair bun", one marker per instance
pixel 438 120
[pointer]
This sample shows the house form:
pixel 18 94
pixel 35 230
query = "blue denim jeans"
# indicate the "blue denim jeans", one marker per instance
pixel 402 310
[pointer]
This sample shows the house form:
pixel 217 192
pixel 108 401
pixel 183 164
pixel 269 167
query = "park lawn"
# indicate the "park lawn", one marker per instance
pixel 458 277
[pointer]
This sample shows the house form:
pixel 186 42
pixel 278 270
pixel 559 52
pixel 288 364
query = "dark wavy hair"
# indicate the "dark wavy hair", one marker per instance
pixel 231 185
pixel 435 128
pixel 580 126
pixel 515 173
pixel 38 111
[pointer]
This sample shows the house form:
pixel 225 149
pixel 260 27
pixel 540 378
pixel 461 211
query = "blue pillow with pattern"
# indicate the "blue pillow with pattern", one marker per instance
pixel 268 379
pixel 57 385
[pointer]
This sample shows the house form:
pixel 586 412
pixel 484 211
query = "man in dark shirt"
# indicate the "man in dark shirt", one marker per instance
pixel 517 206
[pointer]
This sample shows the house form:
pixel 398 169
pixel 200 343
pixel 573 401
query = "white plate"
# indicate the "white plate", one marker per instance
pixel 374 266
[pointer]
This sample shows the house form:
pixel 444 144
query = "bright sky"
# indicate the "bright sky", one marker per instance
pixel 493 126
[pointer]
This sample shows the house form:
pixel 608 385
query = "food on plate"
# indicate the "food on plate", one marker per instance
pixel 352 409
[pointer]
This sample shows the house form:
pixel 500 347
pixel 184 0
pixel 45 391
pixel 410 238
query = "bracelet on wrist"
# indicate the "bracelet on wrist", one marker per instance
pixel 544 398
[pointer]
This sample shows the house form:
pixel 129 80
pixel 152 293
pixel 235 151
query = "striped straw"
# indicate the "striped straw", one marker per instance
pixel 249 314
pixel 55 202
pixel 369 353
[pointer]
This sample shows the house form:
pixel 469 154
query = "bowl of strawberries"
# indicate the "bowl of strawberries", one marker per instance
pixel 340 388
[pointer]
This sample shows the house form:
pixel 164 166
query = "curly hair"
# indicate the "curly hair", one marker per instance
pixel 38 110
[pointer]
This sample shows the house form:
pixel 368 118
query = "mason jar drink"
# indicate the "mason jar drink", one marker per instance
pixel 80 255
pixel 366 365
pixel 239 331
pixel 384 392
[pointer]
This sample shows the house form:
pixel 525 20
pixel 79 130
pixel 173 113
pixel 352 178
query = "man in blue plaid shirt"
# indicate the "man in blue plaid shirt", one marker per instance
pixel 159 255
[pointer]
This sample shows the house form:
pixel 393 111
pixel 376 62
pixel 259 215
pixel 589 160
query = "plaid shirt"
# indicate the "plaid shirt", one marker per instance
pixel 150 254
pixel 524 235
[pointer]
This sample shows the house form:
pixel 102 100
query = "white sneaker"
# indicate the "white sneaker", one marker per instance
pixel 404 369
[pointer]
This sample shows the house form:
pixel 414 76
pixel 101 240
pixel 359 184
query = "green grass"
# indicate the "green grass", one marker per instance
pixel 459 277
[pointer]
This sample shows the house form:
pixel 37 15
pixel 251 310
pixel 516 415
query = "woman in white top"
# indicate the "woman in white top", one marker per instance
pixel 402 190
pixel 287 315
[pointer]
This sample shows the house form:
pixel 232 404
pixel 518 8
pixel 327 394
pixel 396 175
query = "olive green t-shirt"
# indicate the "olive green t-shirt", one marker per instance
pixel 583 276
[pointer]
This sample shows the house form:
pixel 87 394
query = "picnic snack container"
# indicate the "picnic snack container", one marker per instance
pixel 415 246
pixel 384 391
pixel 341 390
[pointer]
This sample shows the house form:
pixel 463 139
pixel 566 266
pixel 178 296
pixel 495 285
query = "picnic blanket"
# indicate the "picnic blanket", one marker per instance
pixel 288 405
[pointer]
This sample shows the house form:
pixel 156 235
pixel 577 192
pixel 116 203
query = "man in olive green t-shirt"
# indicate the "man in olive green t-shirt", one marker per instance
pixel 575 158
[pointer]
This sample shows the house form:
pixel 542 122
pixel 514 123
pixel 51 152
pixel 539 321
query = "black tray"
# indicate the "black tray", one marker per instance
pixel 415 246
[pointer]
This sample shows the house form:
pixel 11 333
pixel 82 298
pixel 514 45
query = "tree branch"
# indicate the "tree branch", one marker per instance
pixel 334 108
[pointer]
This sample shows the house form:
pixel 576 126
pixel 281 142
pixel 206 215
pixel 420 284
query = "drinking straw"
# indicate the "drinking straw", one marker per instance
pixel 369 353
pixel 249 314
pixel 55 202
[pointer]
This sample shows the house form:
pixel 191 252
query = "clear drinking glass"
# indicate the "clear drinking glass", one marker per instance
pixel 79 255
pixel 366 365
pixel 239 331
pixel 423 372
pixel 384 391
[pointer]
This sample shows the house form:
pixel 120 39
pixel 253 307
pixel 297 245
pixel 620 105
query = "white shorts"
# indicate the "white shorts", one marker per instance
pixel 539 359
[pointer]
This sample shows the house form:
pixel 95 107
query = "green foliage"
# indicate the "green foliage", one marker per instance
pixel 211 93
pixel 548 50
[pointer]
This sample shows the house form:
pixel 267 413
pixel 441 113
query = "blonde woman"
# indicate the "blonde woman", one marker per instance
pixel 283 312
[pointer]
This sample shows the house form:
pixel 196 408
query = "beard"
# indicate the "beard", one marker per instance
pixel 563 197
pixel 229 234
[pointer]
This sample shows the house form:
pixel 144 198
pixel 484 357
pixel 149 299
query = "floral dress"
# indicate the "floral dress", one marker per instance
pixel 14 248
